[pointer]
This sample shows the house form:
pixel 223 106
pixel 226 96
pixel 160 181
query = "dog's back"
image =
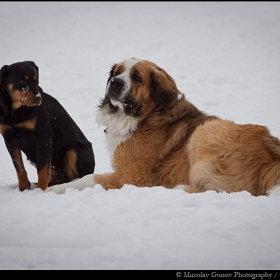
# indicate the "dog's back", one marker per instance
pixel 225 156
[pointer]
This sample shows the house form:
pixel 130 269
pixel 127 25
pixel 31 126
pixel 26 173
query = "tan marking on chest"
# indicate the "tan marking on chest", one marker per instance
pixel 3 128
pixel 30 124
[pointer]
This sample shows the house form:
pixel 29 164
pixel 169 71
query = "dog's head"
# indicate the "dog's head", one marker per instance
pixel 137 87
pixel 21 81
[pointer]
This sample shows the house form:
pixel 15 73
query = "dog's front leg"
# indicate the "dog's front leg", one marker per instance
pixel 16 156
pixel 79 184
pixel 44 148
pixel 108 180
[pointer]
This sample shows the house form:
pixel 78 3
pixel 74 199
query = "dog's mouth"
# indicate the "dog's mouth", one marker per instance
pixel 110 104
pixel 114 103
pixel 24 102
pixel 125 104
pixel 27 99
pixel 31 101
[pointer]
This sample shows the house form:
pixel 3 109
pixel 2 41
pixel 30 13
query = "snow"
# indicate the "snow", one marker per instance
pixel 223 55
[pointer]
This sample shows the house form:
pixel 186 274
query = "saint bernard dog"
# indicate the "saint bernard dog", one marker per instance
pixel 156 137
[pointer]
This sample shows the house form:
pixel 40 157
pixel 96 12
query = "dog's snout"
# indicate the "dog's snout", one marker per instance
pixel 117 83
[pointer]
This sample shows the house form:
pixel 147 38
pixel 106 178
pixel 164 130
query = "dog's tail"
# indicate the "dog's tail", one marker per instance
pixel 270 173
pixel 270 179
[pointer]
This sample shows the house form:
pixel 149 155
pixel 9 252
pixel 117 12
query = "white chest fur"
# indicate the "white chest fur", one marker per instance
pixel 119 128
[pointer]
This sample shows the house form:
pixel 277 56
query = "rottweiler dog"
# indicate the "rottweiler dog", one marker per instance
pixel 35 123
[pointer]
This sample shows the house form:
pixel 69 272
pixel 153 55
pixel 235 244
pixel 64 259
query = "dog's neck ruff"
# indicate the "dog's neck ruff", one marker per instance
pixel 119 128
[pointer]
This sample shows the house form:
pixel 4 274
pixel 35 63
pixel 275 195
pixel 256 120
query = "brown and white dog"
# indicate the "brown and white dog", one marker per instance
pixel 157 138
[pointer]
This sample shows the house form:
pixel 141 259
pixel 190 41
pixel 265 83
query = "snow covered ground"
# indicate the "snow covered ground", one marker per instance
pixel 223 55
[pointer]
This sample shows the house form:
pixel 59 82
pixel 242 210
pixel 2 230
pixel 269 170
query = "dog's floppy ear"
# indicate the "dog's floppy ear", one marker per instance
pixel 163 88
pixel 111 73
pixel 35 66
pixel 3 72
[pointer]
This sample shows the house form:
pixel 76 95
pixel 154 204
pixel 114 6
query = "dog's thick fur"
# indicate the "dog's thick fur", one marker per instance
pixel 157 138
pixel 35 123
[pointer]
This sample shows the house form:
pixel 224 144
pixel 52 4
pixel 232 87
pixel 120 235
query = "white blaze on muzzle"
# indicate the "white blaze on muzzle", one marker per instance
pixel 125 76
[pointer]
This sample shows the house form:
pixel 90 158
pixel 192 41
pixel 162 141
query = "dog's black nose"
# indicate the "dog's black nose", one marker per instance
pixel 117 83
pixel 38 97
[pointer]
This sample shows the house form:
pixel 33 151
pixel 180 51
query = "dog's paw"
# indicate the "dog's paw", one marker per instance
pixel 59 189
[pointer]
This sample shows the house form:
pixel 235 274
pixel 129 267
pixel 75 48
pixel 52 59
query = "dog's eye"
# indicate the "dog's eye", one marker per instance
pixel 136 78
pixel 23 82
pixel 117 73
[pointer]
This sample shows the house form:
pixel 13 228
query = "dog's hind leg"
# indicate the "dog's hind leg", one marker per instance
pixel 78 163
pixel 85 163
pixel 204 176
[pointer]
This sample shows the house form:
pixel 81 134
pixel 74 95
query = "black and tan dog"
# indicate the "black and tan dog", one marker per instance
pixel 35 123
